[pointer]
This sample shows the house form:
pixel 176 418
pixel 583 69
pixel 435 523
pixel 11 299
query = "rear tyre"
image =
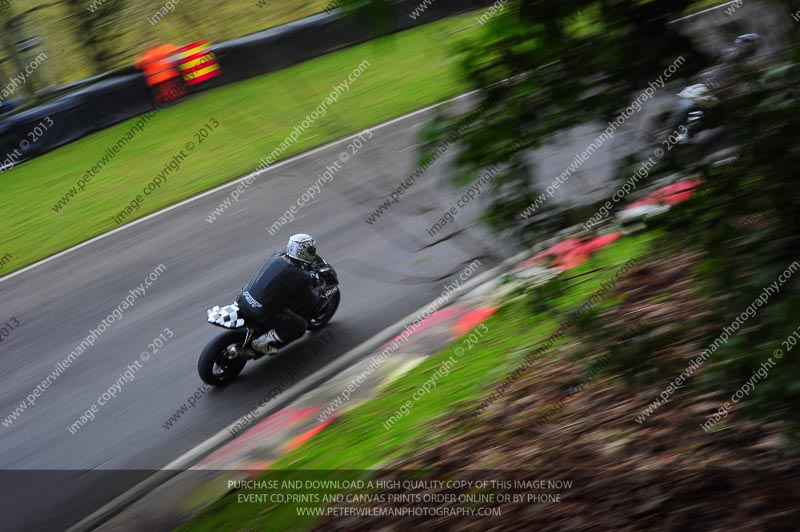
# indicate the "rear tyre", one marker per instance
pixel 325 315
pixel 214 366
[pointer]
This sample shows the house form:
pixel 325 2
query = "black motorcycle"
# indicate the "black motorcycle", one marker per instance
pixel 224 357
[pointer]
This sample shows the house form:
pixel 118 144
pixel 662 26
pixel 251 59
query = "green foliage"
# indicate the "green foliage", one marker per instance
pixel 747 220
pixel 567 63
pixel 573 62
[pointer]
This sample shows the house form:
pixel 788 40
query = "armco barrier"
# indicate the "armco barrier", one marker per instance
pixel 76 115
pixel 123 94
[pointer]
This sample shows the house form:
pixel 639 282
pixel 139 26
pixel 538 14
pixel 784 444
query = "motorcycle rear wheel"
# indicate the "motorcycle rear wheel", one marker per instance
pixel 215 366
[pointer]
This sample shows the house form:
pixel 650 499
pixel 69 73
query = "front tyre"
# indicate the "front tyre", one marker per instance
pixel 325 315
pixel 215 366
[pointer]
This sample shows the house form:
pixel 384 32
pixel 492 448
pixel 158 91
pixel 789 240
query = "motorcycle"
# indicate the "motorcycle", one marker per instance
pixel 696 101
pixel 703 104
pixel 224 357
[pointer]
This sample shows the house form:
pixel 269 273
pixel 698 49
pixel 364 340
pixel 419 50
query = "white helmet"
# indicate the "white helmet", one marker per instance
pixel 302 247
pixel 745 46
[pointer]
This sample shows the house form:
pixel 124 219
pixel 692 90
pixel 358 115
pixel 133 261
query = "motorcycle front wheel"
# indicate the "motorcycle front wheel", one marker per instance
pixel 215 366
pixel 325 315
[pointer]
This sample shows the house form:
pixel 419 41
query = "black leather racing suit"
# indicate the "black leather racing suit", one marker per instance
pixel 282 296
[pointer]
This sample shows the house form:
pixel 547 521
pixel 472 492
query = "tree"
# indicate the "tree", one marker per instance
pixel 98 30
pixel 11 34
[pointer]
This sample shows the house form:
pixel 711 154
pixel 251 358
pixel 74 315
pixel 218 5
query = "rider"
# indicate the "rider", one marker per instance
pixel 720 85
pixel 283 295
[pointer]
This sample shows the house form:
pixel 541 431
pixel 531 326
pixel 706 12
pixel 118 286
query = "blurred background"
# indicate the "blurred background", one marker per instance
pixel 645 149
pixel 89 41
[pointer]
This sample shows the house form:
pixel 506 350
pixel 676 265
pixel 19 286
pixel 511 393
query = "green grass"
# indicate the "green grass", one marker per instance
pixel 358 441
pixel 406 71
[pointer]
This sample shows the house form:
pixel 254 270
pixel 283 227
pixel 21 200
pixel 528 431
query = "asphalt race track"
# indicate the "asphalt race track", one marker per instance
pixel 387 270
